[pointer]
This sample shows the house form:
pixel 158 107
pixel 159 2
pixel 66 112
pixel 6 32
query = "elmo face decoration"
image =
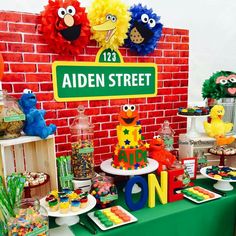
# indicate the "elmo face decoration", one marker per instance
pixel 109 21
pixel 65 26
pixel 128 115
pixel 145 30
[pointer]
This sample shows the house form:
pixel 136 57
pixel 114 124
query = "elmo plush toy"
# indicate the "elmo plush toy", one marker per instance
pixel 65 26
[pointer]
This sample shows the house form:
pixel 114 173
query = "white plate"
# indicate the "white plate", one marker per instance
pixel 102 227
pixel 203 172
pixel 206 200
pixel 91 205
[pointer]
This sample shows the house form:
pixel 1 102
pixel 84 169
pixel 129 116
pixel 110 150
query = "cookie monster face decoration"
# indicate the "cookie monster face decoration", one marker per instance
pixel 145 30
pixel 220 85
pixel 109 21
pixel 65 26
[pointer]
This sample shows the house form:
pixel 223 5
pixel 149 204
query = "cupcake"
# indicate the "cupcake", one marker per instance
pixel 184 112
pixel 78 191
pixel 49 198
pixel 64 199
pixel 54 193
pixel 53 205
pixel 198 112
pixel 84 202
pixel 62 194
pixel 191 111
pixel 75 205
pixel 72 195
pixel 64 207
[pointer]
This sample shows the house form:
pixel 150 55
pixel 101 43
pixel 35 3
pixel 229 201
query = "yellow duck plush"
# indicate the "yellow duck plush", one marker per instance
pixel 217 128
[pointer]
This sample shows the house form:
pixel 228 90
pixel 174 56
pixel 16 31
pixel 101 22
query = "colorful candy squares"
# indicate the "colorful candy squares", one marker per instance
pixel 111 217
pixel 199 194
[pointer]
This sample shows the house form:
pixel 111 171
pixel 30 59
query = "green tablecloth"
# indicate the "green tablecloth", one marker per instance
pixel 181 218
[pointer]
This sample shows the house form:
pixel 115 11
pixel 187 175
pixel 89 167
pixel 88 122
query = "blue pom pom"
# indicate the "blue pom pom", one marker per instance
pixel 145 30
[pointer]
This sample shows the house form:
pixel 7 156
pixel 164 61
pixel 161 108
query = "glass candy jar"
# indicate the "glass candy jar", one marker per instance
pixel 167 134
pixel 31 219
pixel 82 160
pixel 11 117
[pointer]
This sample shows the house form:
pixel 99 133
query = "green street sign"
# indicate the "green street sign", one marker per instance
pixel 77 81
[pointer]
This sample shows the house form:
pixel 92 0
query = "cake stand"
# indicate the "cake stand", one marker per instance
pixel 192 132
pixel 70 218
pixel 107 167
pixel 222 157
pixel 221 184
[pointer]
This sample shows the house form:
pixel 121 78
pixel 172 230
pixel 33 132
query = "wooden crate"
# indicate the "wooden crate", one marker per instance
pixel 29 153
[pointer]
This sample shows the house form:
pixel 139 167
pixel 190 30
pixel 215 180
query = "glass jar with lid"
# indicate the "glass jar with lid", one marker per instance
pixel 82 159
pixel 11 117
pixel 30 219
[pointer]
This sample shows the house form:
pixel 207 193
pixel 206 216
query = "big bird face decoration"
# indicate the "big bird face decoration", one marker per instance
pixel 145 30
pixel 128 115
pixel 65 26
pixel 109 20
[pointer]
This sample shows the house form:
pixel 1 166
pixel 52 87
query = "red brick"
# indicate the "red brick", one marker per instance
pixel 31 18
pixel 110 125
pixel 184 97
pixel 180 90
pixel 63 147
pixel 137 100
pixel 60 139
pixel 10 16
pixel 63 153
pixel 24 28
pixel 167 31
pixel 104 149
pixel 155 114
pixel 3 46
pixel 184 53
pixel 150 128
pixel 10 37
pixel 164 76
pixel 123 51
pixel 183 125
pixel 62 58
pixel 179 119
pixel 53 105
pixel 7 87
pixel 171 68
pixel 155 99
pixel 58 122
pixel 181 31
pixel 173 98
pixel 110 110
pixel 100 103
pixel 163 106
pixel 185 39
pixel 76 104
pixel 94 111
pixel 171 83
pixel 38 77
pixel 91 50
pixel 180 75
pixel 181 46
pixel 12 57
pixel 33 38
pixel 170 38
pixel 63 130
pixel 45 96
pixel 85 58
pixel 180 60
pixel 164 46
pixel 18 88
pixel 164 91
pixel 170 112
pixel 36 58
pixel 45 68
pixel 18 47
pixel 67 113
pixel 146 59
pixel 130 59
pixel 184 68
pixel 163 60
pixel 148 121
pixel 147 107
pixel 183 83
pixel 171 53
pixel 43 49
pixel 6 67
pixel 142 115
pixel 13 77
pixel 180 104
pixel 131 53
pixel 106 156
pixel 50 115
pixel 101 119
pixel 101 134
pixel 3 26
pixel 46 87
pixel 107 141
pixel 23 68
pixel 118 102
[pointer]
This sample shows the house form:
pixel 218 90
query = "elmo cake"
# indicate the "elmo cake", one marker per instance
pixel 130 152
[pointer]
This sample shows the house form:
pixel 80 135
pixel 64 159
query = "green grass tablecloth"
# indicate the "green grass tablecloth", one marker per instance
pixel 180 218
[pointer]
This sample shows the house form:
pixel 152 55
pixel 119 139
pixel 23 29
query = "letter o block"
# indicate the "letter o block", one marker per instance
pixel 128 193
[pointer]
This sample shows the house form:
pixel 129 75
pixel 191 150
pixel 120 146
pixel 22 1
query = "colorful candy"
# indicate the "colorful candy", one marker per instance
pixel 221 173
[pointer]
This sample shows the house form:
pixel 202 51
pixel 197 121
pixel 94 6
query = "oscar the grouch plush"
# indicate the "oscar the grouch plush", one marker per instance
pixel 221 84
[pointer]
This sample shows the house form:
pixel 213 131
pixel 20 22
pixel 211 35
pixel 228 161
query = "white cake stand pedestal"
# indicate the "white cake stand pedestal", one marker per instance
pixel 221 184
pixel 192 132
pixel 70 218
pixel 107 167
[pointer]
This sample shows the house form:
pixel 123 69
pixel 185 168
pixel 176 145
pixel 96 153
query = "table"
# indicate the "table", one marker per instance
pixel 178 218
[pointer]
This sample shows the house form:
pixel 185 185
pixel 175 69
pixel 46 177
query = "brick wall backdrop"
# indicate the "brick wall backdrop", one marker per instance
pixel 28 62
